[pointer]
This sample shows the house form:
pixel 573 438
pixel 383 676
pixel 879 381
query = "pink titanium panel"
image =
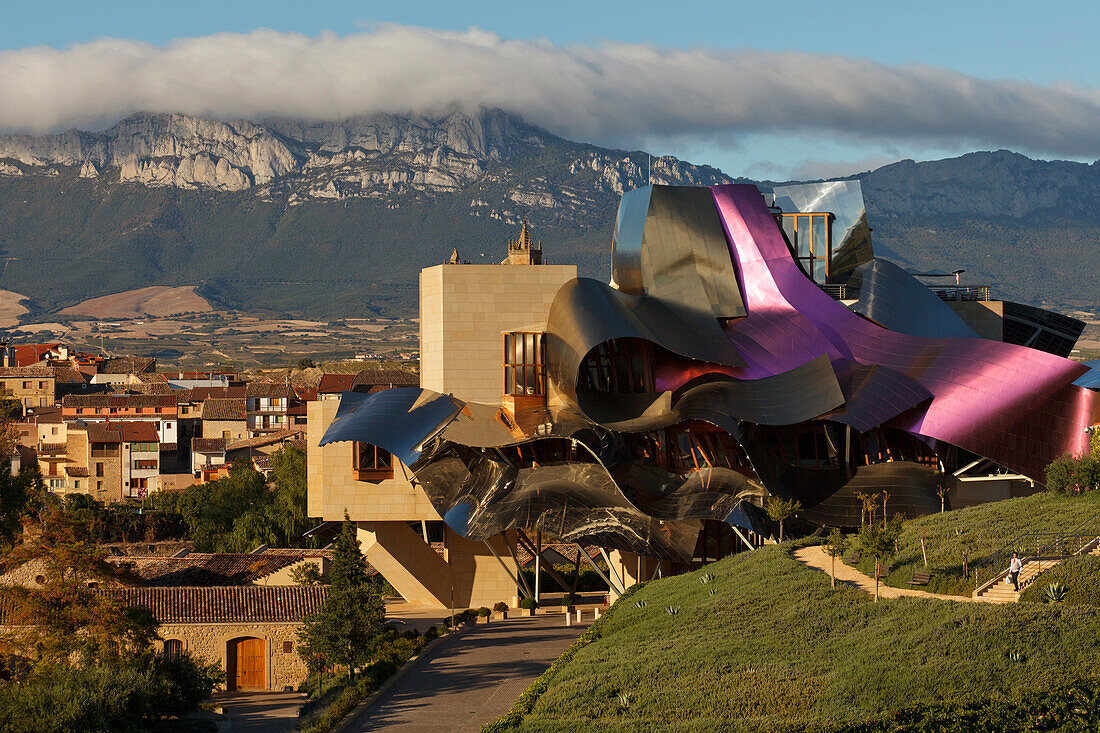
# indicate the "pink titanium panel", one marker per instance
pixel 1014 405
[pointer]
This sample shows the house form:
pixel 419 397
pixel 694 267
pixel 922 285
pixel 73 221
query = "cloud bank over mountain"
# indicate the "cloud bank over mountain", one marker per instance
pixel 611 93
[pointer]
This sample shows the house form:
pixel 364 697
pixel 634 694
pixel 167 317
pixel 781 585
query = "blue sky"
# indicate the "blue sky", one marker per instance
pixel 1044 44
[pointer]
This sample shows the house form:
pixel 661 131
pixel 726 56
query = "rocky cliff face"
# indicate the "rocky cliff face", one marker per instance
pixel 384 157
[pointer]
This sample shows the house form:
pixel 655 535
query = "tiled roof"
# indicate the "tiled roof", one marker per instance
pixel 65 374
pixel 129 431
pixel 161 548
pixel 200 394
pixel 120 401
pixel 27 354
pixel 267 389
pixel 36 370
pixel 252 604
pixel 52 448
pixel 128 365
pixel 208 445
pixel 76 471
pixel 152 378
pixel 40 415
pixel 224 409
pixel 279 436
pixel 334 383
pixel 206 569
pixel 387 377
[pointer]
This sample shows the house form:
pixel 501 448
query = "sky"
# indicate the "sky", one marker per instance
pixel 766 90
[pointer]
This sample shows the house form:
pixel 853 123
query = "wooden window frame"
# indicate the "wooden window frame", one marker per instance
pixel 817 250
pixel 377 469
pixel 518 359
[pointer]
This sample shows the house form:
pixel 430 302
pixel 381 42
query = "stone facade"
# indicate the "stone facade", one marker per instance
pixel 285 669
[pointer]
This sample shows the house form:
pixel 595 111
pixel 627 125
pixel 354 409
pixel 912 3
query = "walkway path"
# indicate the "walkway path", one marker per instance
pixel 471 680
pixel 818 559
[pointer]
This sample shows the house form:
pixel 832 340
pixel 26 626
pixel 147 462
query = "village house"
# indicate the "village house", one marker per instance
pixel 224 418
pixel 268 403
pixel 31 386
pixel 112 461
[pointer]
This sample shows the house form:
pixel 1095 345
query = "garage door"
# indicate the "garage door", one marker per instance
pixel 247 665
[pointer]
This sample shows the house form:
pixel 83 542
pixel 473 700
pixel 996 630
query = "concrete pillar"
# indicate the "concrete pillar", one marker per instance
pixel 632 568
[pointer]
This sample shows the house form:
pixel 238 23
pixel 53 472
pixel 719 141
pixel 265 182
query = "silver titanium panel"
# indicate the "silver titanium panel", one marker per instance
pixel 850 245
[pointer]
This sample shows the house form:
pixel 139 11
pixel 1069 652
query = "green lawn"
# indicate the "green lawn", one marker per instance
pixel 774 648
pixel 1080 576
pixel 986 529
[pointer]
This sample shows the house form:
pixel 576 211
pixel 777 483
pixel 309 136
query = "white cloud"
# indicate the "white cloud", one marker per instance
pixel 614 92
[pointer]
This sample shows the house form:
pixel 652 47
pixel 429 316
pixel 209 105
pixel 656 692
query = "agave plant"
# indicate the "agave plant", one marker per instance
pixel 1056 593
pixel 673 610
pixel 705 578
pixel 641 603
pixel 713 592
pixel 624 699
pixel 1016 656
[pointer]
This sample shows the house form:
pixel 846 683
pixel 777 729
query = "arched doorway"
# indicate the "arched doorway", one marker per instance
pixel 245 664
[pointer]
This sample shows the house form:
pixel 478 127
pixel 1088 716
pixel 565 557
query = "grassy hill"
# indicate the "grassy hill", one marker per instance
pixel 1080 576
pixel 767 645
pixel 978 532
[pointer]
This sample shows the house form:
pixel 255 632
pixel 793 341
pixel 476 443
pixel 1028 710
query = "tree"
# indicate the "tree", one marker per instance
pixel 349 567
pixel 1073 474
pixel 834 546
pixel 781 509
pixel 943 489
pixel 879 542
pixel 305 363
pixel 306 574
pixel 347 629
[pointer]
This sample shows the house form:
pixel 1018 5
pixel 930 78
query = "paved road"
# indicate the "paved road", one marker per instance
pixel 257 712
pixel 471 680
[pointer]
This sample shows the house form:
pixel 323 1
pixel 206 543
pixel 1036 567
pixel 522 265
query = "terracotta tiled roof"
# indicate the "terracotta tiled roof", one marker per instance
pixel 279 436
pixel 267 389
pixel 65 374
pixel 252 604
pixel 200 394
pixel 52 448
pixel 334 383
pixel 129 431
pixel 40 415
pixel 206 569
pixel 38 371
pixel 152 378
pixel 208 445
pixel 387 377
pixel 120 401
pixel 224 409
pixel 128 365
pixel 27 354
pixel 76 471
pixel 298 552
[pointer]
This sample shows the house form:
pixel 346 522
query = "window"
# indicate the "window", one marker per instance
pixel 76 485
pixel 26 385
pixel 99 486
pixel 288 647
pixel 173 647
pixel 810 235
pixel 57 483
pixel 53 431
pixel 372 463
pixel 226 434
pixel 623 366
pixel 42 385
pixel 524 364
pixel 145 465
pixel 99 469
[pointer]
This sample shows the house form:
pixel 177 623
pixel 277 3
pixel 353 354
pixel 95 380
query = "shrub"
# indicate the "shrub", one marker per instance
pixel 528 603
pixel 568 599
pixel 431 634
pixel 1080 576
pixel 484 612
pixel 500 607
pixel 1073 475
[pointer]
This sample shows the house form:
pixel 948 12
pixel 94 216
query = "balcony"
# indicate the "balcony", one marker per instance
pixel 961 292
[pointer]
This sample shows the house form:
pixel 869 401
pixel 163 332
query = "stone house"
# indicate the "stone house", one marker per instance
pixel 225 417
pixel 32 386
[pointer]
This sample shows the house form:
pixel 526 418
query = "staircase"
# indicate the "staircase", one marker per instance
pixel 1051 549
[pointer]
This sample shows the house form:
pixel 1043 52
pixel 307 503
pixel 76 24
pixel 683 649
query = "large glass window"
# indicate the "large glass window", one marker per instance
pixel 624 366
pixel 524 364
pixel 810 235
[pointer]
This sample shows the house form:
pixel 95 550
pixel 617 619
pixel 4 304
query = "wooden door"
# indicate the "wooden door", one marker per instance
pixel 247 665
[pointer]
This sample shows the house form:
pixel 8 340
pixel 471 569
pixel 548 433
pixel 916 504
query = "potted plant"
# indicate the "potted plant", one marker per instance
pixel 501 609
pixel 527 606
pixel 483 615
pixel 569 601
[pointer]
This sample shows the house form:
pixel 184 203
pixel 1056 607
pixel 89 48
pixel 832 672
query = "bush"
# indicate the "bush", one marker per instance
pixel 568 599
pixel 1073 475
pixel 500 607
pixel 528 603
pixel 431 634
pixel 484 612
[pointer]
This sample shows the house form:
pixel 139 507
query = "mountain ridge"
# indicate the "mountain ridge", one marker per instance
pixel 330 218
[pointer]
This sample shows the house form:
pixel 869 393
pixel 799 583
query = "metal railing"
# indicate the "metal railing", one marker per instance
pixel 961 292
pixel 839 291
pixel 1049 546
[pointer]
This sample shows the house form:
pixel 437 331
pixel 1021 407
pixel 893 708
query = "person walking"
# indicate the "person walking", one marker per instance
pixel 1014 568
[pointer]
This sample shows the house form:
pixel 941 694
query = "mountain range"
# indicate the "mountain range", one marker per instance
pixel 334 219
